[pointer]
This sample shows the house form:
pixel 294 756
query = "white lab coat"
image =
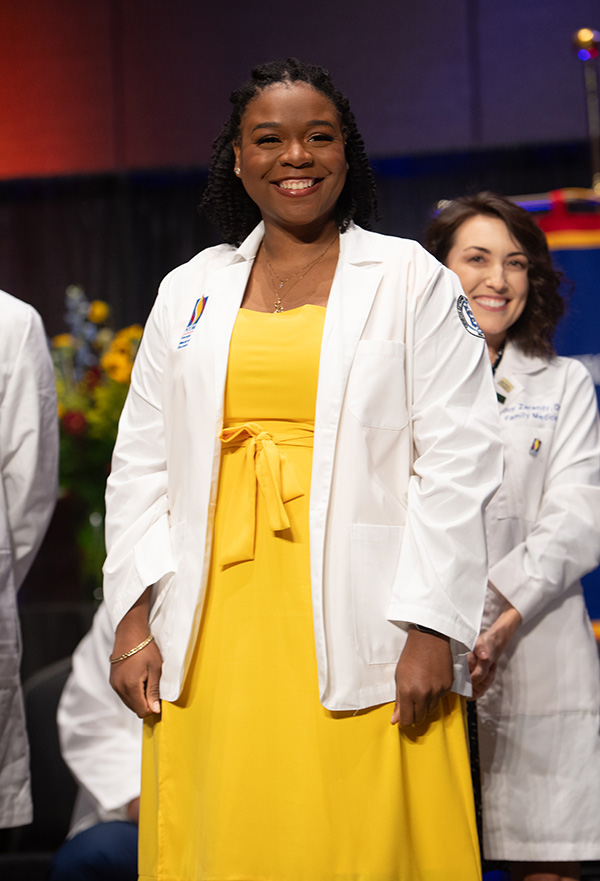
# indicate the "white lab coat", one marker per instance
pixel 539 722
pixel 29 472
pixel 100 738
pixel 391 542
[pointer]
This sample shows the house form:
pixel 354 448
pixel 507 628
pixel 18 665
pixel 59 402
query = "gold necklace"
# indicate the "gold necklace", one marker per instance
pixel 279 282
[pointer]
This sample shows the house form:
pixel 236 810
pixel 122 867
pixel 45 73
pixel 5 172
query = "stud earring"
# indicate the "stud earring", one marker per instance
pixel 238 171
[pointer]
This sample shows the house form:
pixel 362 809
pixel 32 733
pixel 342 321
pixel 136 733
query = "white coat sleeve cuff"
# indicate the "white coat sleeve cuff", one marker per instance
pixel 509 578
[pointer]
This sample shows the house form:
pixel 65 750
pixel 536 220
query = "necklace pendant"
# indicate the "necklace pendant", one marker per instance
pixel 278 307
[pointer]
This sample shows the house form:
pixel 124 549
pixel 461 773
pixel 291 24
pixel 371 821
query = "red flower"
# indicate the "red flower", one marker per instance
pixel 75 423
pixel 92 377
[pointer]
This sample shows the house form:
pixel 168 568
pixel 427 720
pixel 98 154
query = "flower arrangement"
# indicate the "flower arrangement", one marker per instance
pixel 92 368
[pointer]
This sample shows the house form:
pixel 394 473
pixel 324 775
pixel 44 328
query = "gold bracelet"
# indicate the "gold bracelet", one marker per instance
pixel 132 651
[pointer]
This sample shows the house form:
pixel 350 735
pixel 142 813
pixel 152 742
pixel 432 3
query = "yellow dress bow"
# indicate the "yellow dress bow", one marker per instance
pixel 265 465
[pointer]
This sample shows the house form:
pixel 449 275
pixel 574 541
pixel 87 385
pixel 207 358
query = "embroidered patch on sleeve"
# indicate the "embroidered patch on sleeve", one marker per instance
pixel 196 315
pixel 466 316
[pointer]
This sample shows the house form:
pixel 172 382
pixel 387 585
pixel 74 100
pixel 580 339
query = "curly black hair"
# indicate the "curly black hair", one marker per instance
pixel 225 200
pixel 534 329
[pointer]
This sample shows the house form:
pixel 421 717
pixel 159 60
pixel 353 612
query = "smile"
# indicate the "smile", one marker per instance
pixel 492 303
pixel 297 184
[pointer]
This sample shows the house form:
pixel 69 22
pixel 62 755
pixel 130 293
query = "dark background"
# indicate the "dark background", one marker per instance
pixel 108 109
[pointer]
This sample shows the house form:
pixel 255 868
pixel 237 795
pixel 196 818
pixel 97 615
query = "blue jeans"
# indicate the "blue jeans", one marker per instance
pixel 105 852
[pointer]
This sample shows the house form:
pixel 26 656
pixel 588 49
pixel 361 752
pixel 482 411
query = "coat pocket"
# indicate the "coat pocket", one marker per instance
pixel 376 391
pixel 526 457
pixel 374 553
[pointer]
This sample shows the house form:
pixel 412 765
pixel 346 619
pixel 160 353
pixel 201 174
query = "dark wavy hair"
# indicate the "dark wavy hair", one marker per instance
pixel 225 200
pixel 534 329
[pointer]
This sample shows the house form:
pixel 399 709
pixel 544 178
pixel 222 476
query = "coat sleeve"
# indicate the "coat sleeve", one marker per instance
pixel 28 439
pixel 137 505
pixel 564 543
pixel 442 573
pixel 100 739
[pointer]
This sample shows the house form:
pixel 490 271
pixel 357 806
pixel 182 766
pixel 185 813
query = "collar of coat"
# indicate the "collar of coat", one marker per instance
pixel 516 361
pixel 513 365
pixel 357 246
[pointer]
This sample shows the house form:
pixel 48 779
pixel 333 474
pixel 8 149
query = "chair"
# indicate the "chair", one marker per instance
pixel 53 789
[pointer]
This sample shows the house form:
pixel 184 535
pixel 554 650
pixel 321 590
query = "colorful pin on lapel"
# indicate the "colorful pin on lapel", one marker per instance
pixel 195 318
pixel 535 447
pixel 506 386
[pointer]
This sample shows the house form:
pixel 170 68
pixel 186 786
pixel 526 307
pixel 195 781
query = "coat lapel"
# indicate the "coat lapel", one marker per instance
pixel 355 284
pixel 232 281
pixel 229 284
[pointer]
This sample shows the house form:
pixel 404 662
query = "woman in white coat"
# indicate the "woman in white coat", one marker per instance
pixel 295 535
pixel 101 743
pixel 535 666
pixel 28 486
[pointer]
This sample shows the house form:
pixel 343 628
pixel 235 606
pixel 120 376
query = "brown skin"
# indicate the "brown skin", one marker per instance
pixel 290 132
pixel 136 679
pixel 133 810
pixel 424 675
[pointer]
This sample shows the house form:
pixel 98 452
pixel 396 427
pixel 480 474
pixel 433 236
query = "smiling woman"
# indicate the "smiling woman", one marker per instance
pixel 301 168
pixel 226 201
pixel 304 583
pixel 535 665
pixel 298 159
pixel 290 158
pixel 493 270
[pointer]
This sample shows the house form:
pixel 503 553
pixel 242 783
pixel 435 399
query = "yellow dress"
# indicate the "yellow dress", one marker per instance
pixel 247 777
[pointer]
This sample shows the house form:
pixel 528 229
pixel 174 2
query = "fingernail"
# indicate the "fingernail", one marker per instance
pixel 156 707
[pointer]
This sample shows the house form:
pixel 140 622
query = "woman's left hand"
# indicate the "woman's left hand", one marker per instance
pixel 424 674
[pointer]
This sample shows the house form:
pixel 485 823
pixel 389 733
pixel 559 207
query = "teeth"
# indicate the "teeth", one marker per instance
pixel 492 304
pixel 296 184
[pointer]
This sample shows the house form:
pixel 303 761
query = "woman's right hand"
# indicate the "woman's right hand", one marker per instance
pixel 424 675
pixel 136 679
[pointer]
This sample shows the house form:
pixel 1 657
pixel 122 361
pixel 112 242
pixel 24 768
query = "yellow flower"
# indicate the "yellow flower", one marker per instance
pixel 98 311
pixel 117 366
pixel 63 341
pixel 121 346
pixel 61 410
pixel 127 340
pixel 133 332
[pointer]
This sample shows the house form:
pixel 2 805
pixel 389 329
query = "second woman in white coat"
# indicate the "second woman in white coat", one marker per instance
pixel 535 666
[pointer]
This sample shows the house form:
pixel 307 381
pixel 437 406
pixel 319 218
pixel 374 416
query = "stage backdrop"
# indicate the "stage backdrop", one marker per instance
pixel 573 232
pixel 117 235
